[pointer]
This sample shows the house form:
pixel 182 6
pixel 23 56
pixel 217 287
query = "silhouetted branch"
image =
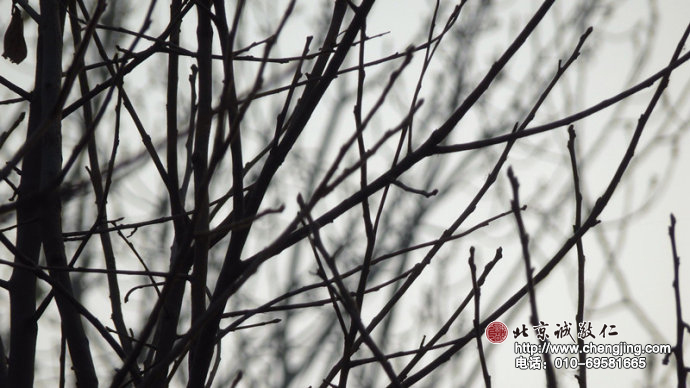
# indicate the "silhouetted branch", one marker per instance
pixel 524 242
pixel 681 370
pixel 478 333
pixel 580 315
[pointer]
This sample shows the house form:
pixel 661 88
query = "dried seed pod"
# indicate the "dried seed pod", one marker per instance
pixel 15 45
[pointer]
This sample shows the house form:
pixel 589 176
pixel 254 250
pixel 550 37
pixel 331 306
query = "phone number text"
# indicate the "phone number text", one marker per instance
pixel 610 362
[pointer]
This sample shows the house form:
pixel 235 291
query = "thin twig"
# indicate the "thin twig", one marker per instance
pixel 681 370
pixel 580 316
pixel 433 344
pixel 478 332
pixel 524 242
pixel 267 307
pixel 350 305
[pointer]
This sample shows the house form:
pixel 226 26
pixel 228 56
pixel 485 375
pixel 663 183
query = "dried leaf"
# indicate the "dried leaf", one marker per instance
pixel 15 45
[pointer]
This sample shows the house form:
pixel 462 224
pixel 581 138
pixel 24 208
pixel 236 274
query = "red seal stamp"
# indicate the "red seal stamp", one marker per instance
pixel 496 332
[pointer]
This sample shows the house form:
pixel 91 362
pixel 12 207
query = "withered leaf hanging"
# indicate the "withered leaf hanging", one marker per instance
pixel 15 45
